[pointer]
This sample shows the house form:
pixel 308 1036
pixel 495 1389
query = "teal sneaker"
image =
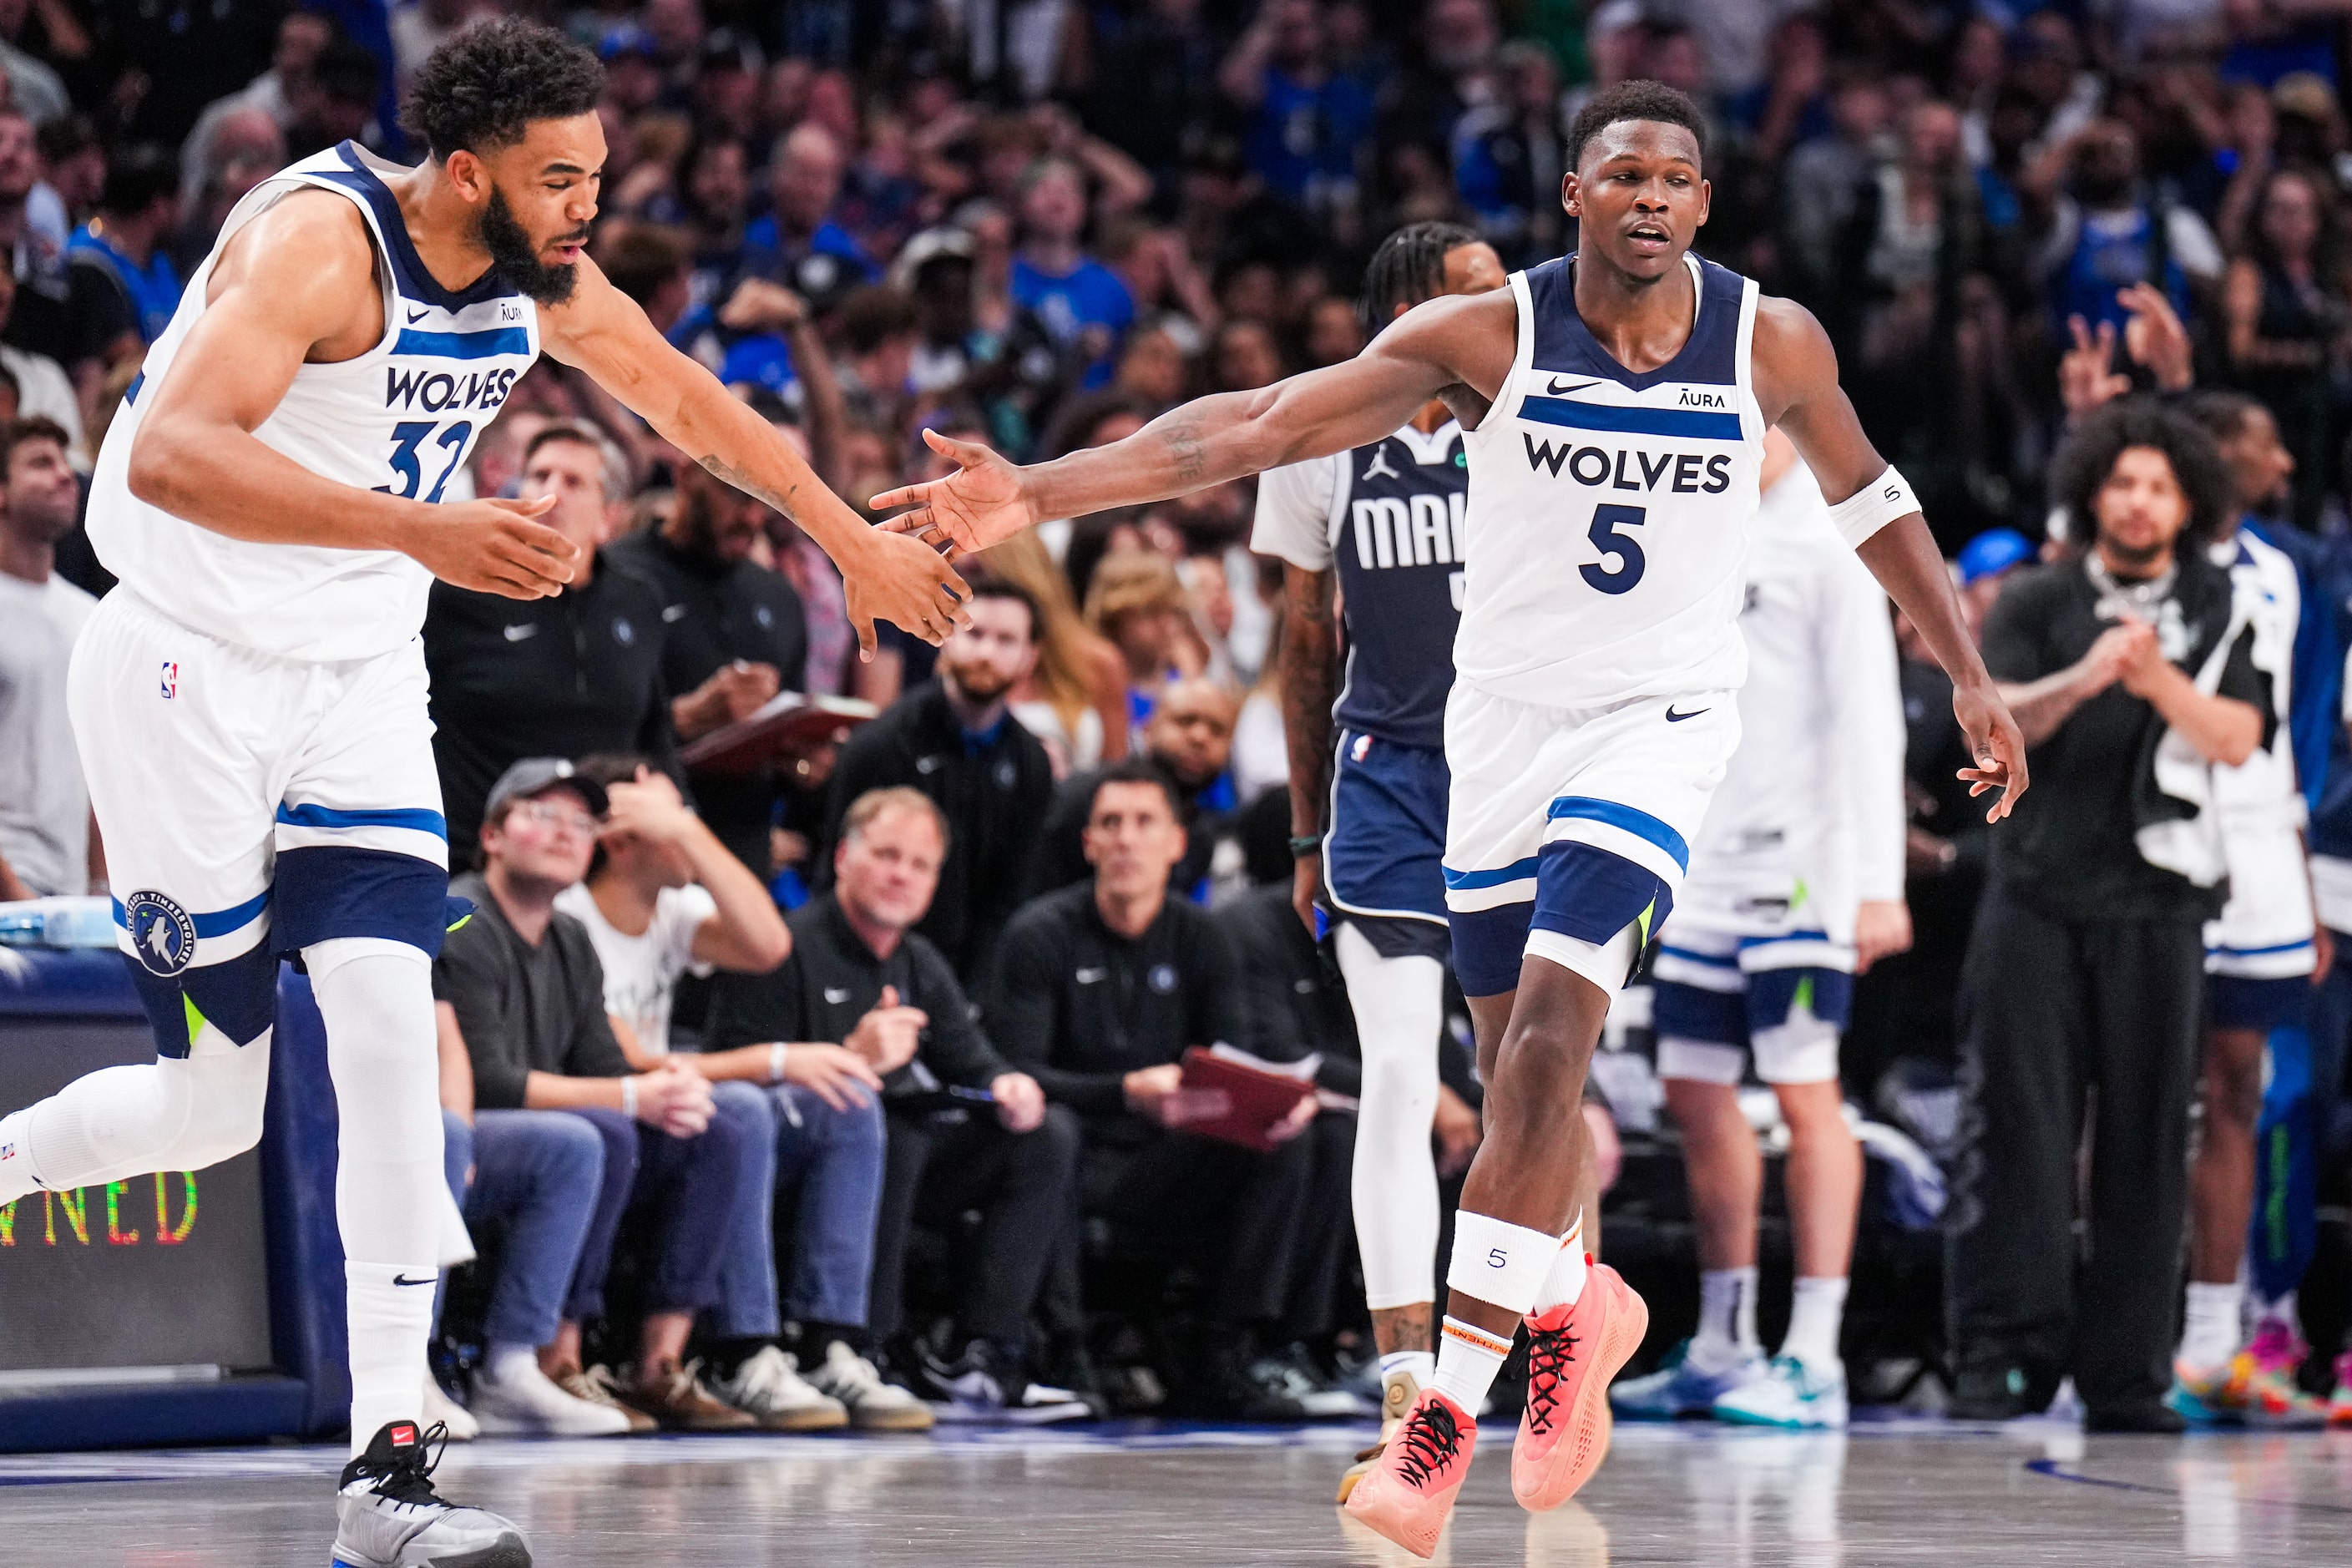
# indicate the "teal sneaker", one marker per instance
pixel 1678 1389
pixel 1792 1394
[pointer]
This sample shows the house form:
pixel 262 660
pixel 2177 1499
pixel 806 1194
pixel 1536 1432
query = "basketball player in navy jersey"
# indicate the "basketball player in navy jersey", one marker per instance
pixel 1616 402
pixel 1378 529
pixel 250 702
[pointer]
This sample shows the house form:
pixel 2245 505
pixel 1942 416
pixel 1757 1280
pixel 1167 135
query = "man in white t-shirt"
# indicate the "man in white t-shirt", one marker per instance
pixel 664 898
pixel 47 841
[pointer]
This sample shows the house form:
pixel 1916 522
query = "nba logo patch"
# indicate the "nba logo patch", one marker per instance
pixel 7 1151
pixel 171 680
pixel 1361 749
pixel 162 937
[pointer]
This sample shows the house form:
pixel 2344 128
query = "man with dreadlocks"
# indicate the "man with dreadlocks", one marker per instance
pixel 1381 524
pixel 1616 402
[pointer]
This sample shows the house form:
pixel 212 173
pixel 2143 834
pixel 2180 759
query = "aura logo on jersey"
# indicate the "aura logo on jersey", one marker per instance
pixel 1683 473
pixel 163 936
pixel 438 390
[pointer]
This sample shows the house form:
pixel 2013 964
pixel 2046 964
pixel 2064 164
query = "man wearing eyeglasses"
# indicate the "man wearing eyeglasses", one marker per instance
pixel 521 987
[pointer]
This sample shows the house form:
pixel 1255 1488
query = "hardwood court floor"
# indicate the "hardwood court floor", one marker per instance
pixel 1896 1492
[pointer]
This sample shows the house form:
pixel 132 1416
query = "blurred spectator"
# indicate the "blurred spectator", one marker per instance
pixel 247 149
pixel 49 840
pixel 1074 699
pixel 1188 741
pixel 1137 603
pixel 879 333
pixel 1101 989
pixel 336 101
pixel 2102 229
pixel 2128 675
pixel 2286 311
pixel 1081 302
pixel 34 86
pixel 43 317
pixel 733 636
pixel 43 388
pixel 1508 157
pixel 560 677
pixel 1243 357
pixel 1307 121
pixel 526 998
pixel 804 174
pixel 862 975
pixel 953 741
pixel 1824 183
pixel 1154 86
pixel 302 36
pixel 124 285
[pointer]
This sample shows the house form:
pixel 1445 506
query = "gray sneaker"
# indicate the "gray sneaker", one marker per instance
pixel 390 1517
pixel 873 1404
pixel 769 1387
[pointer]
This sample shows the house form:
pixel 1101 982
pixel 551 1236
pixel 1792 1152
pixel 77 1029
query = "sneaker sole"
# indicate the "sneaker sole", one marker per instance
pixel 508 1551
pixel 908 1421
pixel 1746 1418
pixel 1358 1471
pixel 1586 1443
pixel 805 1421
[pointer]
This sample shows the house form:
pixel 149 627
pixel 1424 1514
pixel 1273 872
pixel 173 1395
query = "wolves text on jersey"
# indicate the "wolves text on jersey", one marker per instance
pixel 1684 473
pixel 436 391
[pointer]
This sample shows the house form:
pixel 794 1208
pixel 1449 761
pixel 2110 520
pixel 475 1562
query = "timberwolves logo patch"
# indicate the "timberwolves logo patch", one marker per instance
pixel 1163 978
pixel 162 935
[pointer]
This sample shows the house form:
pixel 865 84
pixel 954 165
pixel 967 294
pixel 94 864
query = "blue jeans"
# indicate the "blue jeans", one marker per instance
pixel 830 1162
pixel 536 1176
pixel 689 1192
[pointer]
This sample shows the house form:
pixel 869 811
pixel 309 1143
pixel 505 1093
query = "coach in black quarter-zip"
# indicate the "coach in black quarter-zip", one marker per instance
pixel 563 677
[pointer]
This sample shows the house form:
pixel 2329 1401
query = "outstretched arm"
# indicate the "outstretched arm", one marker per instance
pixel 1452 341
pixel 1796 373
pixel 605 332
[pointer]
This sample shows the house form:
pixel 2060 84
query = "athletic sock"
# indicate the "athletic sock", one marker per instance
pixel 509 1364
pixel 2210 1335
pixel 1468 1357
pixel 1564 1282
pixel 1419 1365
pixel 391 1310
pixel 1727 1320
pixel 1815 1317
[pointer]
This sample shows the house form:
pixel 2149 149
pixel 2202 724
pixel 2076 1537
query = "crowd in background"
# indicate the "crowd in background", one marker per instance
pixel 1038 224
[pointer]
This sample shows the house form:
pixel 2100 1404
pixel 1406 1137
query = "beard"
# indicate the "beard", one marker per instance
pixel 516 258
pixel 980 681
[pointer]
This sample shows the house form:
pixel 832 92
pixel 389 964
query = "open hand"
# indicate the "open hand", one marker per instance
pixel 2087 378
pixel 648 806
pixel 492 547
pixel 1996 742
pixel 982 503
pixel 835 1074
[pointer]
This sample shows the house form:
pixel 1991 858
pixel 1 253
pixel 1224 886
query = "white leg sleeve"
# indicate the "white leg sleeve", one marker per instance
pixel 376 997
pixel 121 1122
pixel 1398 1004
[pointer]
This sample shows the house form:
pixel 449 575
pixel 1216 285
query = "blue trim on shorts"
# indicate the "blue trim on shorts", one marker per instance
pixel 1488 946
pixel 1590 894
pixel 1470 881
pixel 1764 1002
pixel 220 922
pixel 2240 1002
pixel 327 892
pixel 1712 960
pixel 412 817
pixel 1631 819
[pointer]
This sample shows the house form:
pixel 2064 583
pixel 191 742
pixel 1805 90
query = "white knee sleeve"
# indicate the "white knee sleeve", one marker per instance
pixel 376 996
pixel 168 1115
pixel 1398 1004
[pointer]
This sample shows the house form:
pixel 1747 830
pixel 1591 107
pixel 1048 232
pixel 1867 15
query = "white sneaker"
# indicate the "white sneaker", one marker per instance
pixel 1794 1393
pixel 525 1403
pixel 389 1516
pixel 439 1407
pixel 770 1388
pixel 873 1404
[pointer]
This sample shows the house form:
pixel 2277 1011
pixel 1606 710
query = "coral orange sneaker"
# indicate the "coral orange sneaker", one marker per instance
pixel 1572 1352
pixel 1407 1494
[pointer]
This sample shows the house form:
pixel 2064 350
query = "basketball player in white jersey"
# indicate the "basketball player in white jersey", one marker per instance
pixel 1374 531
pixel 250 702
pixel 1616 404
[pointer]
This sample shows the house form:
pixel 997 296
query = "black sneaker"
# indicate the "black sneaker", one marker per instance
pixel 2139 1416
pixel 389 1516
pixel 1069 1365
pixel 1318 1393
pixel 1997 1394
pixel 986 1385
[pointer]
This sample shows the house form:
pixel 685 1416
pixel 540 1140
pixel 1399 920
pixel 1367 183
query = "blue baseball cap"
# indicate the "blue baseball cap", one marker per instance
pixel 627 39
pixel 1991 552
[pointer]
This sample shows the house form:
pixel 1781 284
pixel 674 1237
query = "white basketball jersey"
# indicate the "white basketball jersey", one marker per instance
pixel 399 418
pixel 2264 579
pixel 1609 510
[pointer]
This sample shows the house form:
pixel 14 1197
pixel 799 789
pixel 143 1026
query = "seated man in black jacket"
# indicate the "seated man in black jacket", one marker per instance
pixel 953 740
pixel 1099 989
pixel 966 1129
pixel 1189 737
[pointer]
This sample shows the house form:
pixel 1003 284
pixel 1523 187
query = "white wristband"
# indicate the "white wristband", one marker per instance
pixel 776 1063
pixel 1874 506
pixel 629 1098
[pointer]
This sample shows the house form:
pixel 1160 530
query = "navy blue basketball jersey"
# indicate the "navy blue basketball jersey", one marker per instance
pixel 1388 518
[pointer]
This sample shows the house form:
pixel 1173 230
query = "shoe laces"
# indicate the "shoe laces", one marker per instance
pixel 1550 1352
pixel 852 1374
pixel 1430 1438
pixel 768 1375
pixel 596 1385
pixel 407 1477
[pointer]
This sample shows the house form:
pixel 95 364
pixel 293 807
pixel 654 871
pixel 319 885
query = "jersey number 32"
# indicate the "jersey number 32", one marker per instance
pixel 409 438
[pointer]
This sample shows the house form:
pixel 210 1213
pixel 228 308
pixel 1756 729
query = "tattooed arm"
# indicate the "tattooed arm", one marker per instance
pixel 603 332
pixel 1456 340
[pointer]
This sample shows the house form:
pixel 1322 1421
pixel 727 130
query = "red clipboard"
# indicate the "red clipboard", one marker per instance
pixel 1256 1099
pixel 788 724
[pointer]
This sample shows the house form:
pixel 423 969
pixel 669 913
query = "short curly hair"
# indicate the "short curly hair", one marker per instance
pixel 482 88
pixel 1637 99
pixel 2085 463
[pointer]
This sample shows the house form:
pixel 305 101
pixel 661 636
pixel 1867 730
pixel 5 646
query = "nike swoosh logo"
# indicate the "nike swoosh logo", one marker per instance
pixel 835 996
pixel 1555 387
pixel 415 316
pixel 1675 718
pixel 516 634
pixel 404 1279
pixel 1089 976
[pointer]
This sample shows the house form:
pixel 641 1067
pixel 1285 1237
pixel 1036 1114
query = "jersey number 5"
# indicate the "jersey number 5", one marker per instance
pixel 410 435
pixel 1607 519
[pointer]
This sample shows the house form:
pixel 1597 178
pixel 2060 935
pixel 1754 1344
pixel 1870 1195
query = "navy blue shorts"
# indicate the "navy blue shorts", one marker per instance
pixel 1384 857
pixel 2235 1001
